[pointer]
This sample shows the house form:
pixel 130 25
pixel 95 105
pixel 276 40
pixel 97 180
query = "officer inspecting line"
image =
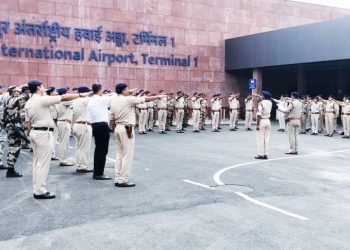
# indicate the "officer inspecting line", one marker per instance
pixel 86 113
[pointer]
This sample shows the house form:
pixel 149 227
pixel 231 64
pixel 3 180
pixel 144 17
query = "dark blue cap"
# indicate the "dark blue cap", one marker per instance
pixel 49 90
pixel 295 94
pixel 266 94
pixel 34 83
pixel 83 89
pixel 120 86
pixel 62 91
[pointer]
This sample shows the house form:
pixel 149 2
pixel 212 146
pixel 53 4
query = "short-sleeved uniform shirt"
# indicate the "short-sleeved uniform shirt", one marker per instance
pixel 123 109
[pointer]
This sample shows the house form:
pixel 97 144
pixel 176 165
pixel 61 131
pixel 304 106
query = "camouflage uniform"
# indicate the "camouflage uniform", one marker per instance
pixel 12 119
pixel 186 113
pixel 25 145
pixel 3 135
pixel 204 105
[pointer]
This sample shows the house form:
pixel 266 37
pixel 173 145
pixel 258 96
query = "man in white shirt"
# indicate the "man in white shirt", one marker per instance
pixel 98 117
pixel 123 122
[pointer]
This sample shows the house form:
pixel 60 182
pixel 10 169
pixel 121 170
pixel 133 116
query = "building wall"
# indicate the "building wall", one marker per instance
pixel 199 26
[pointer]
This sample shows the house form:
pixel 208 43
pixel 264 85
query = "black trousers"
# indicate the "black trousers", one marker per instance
pixel 100 131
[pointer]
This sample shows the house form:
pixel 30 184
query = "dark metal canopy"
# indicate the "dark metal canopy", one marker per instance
pixel 319 42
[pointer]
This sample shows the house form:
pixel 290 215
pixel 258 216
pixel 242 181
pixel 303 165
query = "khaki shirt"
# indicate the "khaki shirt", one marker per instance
pixel 123 109
pixel 346 108
pixel 295 109
pixel 196 103
pixel 315 107
pixel 329 107
pixel 162 103
pixel 150 104
pixel 264 109
pixel 38 110
pixel 80 109
pixel 65 111
pixel 215 104
pixel 180 102
pixel 249 105
pixel 233 103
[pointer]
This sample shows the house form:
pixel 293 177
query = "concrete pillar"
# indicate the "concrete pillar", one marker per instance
pixel 257 75
pixel 301 81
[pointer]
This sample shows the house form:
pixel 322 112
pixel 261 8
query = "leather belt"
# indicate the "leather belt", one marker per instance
pixel 43 128
pixel 329 111
pixel 233 109
pixel 143 109
pixel 64 120
pixel 294 118
pixel 215 111
pixel 315 113
pixel 161 109
pixel 196 109
pixel 250 110
pixel 179 108
pixel 83 122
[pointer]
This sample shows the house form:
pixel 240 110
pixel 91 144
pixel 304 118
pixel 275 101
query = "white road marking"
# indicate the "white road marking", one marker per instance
pixel 218 174
pixel 110 159
pixel 246 197
pixel 199 184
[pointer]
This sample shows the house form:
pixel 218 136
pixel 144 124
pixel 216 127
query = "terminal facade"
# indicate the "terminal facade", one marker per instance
pixel 156 44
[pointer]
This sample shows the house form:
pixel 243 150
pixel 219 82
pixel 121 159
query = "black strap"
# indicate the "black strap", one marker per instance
pixel 43 128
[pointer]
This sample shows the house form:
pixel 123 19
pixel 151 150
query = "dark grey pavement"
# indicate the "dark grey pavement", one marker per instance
pixel 164 212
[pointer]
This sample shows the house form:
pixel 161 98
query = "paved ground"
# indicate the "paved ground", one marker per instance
pixel 310 194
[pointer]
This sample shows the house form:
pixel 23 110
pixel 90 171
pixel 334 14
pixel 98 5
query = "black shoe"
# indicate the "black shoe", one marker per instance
pixel 282 130
pixel 101 177
pixel 66 164
pixel 313 134
pixel 232 129
pixel 260 157
pixel 178 131
pixel 219 127
pixel 44 196
pixel 326 135
pixel 203 129
pixel 25 147
pixel 307 130
pixel 54 158
pixel 11 173
pixel 84 170
pixel 2 167
pixel 167 129
pixel 265 157
pixel 342 133
pixel 126 184
pixel 291 153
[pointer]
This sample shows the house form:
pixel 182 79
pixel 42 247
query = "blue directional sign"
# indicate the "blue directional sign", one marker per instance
pixel 252 83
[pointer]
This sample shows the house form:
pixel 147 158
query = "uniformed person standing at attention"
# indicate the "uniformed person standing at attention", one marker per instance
pixel 82 131
pixel 204 106
pixel 234 107
pixel 3 135
pixel 142 107
pixel 64 125
pixel 196 112
pixel 315 110
pixel 41 126
pixel 263 125
pixel 294 110
pixel 162 112
pixel 150 114
pixel 345 106
pixel 179 111
pixel 51 91
pixel 123 122
pixel 170 111
pixel 330 111
pixel 215 112
pixel 248 112
pixel 12 121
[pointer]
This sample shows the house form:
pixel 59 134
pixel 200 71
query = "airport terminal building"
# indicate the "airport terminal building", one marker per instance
pixel 191 45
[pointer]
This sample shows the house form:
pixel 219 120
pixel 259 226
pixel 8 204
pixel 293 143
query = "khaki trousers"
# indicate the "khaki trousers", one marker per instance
pixel 150 114
pixel 179 118
pixel 196 115
pixel 83 133
pixel 143 120
pixel 346 125
pixel 293 128
pixel 233 117
pixel 314 123
pixel 64 130
pixel 41 142
pixel 321 122
pixel 215 116
pixel 55 135
pixel 125 154
pixel 162 119
pixel 248 119
pixel 263 137
pixel 303 122
pixel 329 122
pixel 281 119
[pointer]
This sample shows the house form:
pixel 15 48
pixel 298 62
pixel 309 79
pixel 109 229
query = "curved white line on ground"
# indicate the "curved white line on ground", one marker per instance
pixel 217 175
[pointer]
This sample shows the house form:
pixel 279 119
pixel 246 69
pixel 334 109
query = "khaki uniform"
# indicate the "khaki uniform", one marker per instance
pixel 142 116
pixel 150 114
pixel 248 113
pixel 204 105
pixel 346 118
pixel 315 110
pixel 82 131
pixel 179 109
pixel 329 117
pixel 280 115
pixel 304 116
pixel 321 120
pixel 234 107
pixel 64 125
pixel 123 113
pixel 38 114
pixel 196 113
pixel 294 116
pixel 53 112
pixel 263 134
pixel 215 113
pixel 162 113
